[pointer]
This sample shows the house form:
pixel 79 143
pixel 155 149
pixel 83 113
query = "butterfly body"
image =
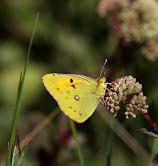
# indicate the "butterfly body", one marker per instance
pixel 77 95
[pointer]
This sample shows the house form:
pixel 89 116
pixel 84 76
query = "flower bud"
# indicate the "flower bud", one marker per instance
pixel 116 108
pixel 127 109
pixel 133 115
pixel 119 89
pixel 134 97
pixel 144 111
pixel 144 98
pixel 124 98
pixel 146 106
pixel 117 102
pixel 109 93
pixel 132 101
pixel 140 95
pixel 112 110
pixel 135 107
pixel 123 86
pixel 140 105
pixel 127 82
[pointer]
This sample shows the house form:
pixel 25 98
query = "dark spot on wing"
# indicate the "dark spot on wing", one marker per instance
pixel 68 92
pixel 70 107
pixel 79 113
pixel 71 80
pixel 57 88
pixel 76 97
pixel 74 110
pixel 66 97
pixel 73 86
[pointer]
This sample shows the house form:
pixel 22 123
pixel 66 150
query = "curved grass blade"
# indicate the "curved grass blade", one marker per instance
pixel 22 155
pixel 18 101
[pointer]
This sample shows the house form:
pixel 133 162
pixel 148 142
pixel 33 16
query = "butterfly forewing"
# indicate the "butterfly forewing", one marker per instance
pixel 56 83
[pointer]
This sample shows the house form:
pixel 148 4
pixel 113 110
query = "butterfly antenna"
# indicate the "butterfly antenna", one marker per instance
pixel 103 67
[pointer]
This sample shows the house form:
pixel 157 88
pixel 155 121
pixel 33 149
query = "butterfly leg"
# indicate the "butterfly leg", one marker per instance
pixel 102 100
pixel 106 85
pixel 110 83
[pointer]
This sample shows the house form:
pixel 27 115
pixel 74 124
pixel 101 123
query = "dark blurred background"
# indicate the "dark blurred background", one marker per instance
pixel 73 37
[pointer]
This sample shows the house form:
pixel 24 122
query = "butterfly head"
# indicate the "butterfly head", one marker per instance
pixel 102 79
pixel 101 86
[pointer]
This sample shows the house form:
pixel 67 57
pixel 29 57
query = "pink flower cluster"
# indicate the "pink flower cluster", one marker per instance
pixel 127 92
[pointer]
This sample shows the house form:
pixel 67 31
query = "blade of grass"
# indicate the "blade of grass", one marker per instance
pixel 22 155
pixel 39 127
pixel 35 131
pixel 80 156
pixel 13 156
pixel 18 100
pixel 154 148
pixel 18 144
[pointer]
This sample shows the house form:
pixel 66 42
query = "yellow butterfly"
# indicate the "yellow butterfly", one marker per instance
pixel 77 95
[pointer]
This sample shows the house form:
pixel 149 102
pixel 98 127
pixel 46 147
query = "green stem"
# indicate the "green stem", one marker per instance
pixel 80 156
pixel 154 148
pixel 18 101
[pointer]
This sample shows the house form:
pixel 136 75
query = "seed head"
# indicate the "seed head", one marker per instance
pixel 127 92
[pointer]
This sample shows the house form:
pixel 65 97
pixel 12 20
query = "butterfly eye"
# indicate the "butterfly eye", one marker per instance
pixel 71 80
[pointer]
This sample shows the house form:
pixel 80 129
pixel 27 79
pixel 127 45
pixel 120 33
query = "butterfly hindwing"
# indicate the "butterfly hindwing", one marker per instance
pixel 79 101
